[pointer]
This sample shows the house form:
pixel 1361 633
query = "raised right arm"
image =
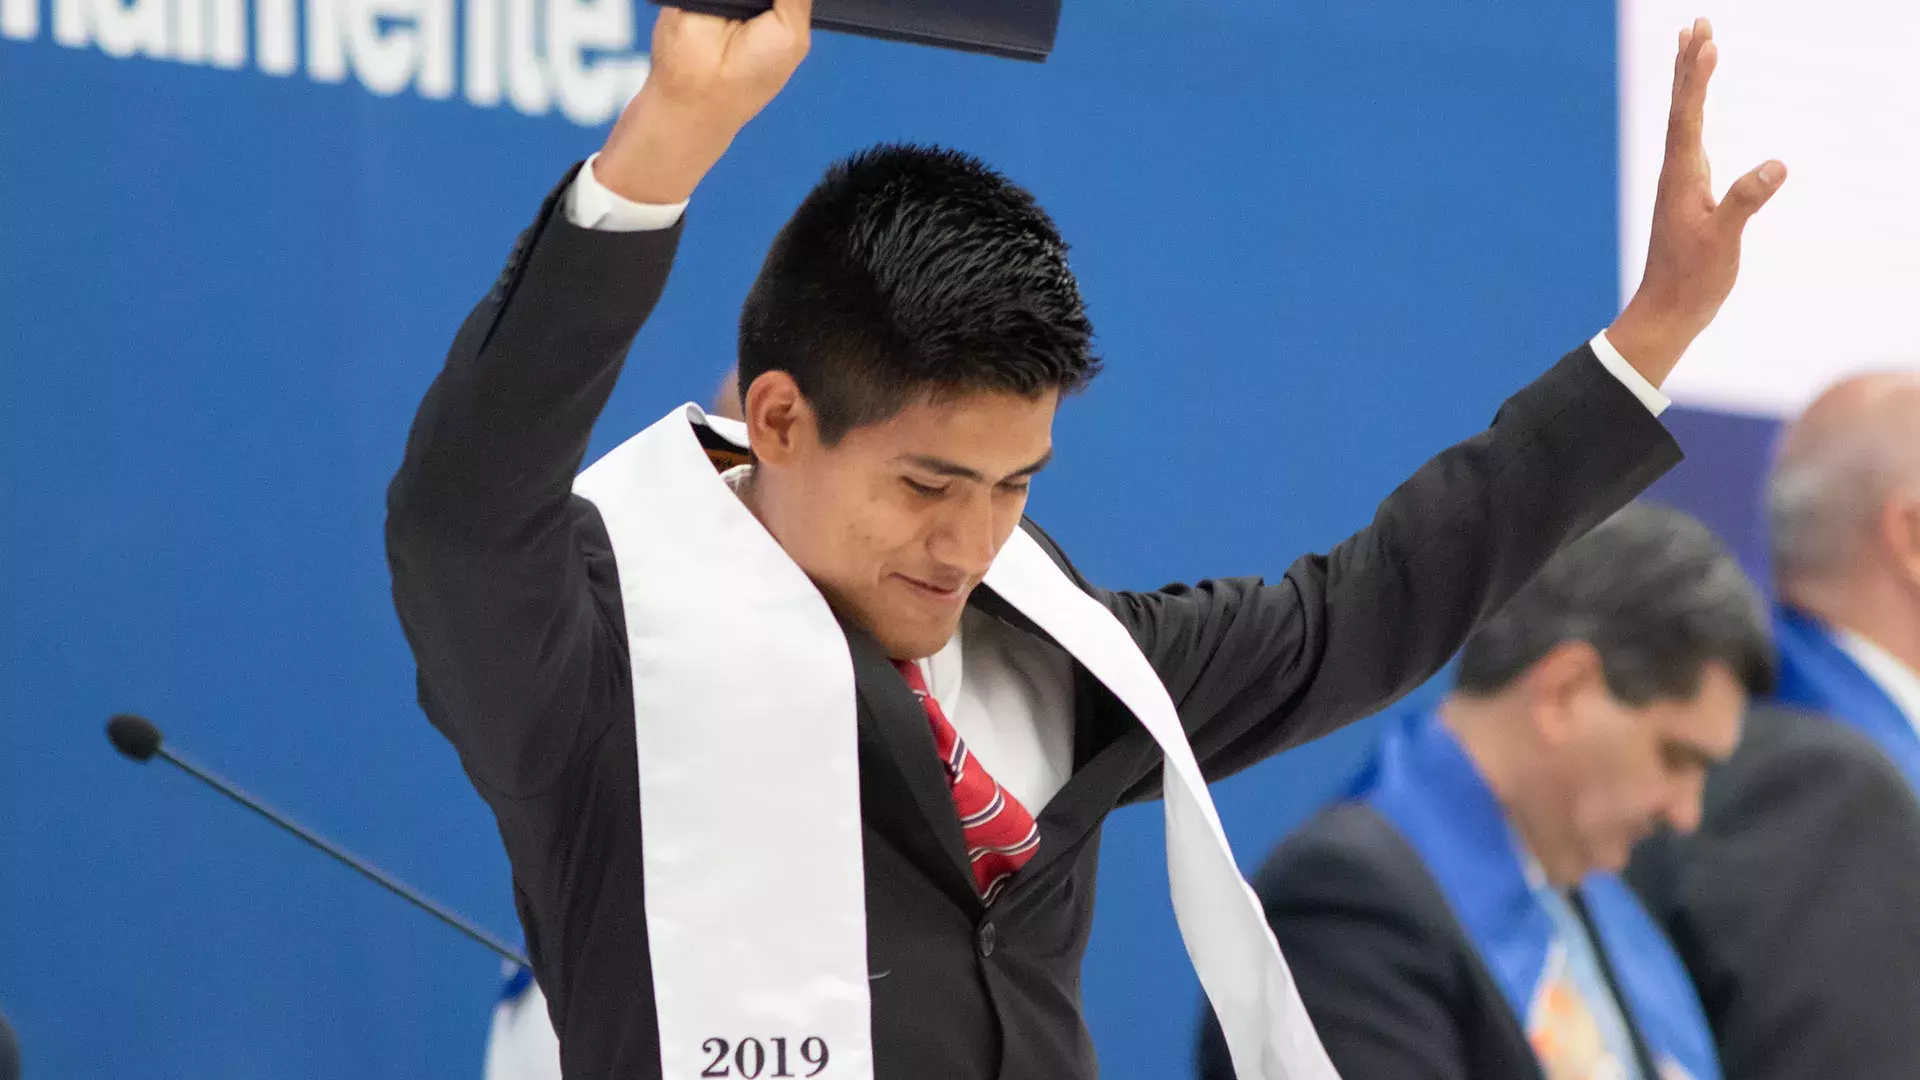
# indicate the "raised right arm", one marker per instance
pixel 522 660
pixel 489 576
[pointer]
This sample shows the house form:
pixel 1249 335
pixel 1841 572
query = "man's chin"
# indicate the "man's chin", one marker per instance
pixel 915 639
pixel 1615 860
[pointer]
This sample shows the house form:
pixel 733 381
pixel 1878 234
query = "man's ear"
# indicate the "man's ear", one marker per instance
pixel 1555 684
pixel 1899 533
pixel 780 421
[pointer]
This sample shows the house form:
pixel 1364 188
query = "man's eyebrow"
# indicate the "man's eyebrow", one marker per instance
pixel 942 467
pixel 1695 753
pixel 1035 467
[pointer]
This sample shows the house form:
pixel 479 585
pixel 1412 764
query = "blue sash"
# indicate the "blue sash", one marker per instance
pixel 1424 784
pixel 1817 675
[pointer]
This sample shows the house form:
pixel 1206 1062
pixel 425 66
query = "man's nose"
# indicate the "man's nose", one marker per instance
pixel 967 537
pixel 1684 806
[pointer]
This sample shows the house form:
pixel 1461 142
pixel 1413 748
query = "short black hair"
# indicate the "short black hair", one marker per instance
pixel 914 270
pixel 1653 591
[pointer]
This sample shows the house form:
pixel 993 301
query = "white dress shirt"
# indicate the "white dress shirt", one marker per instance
pixel 1901 682
pixel 1011 701
pixel 1574 962
pixel 1010 696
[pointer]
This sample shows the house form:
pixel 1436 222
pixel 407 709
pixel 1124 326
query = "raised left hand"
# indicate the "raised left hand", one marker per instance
pixel 1693 255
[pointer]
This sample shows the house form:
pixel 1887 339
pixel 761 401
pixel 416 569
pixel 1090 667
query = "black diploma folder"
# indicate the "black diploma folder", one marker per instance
pixel 1022 29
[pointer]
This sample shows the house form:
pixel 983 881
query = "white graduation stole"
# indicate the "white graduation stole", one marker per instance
pixel 745 714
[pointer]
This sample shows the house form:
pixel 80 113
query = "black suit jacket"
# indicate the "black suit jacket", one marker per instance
pixel 507 590
pixel 1796 904
pixel 1395 986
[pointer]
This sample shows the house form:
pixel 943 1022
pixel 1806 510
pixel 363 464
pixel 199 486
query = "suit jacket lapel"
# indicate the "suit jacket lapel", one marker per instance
pixel 904 793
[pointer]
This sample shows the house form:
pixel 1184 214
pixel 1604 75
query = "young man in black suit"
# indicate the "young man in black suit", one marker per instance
pixel 1460 916
pixel 901 358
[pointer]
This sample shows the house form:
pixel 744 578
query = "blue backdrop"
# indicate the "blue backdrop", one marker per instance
pixel 1320 240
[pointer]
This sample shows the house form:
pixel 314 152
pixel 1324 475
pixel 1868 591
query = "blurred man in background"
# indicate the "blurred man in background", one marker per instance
pixel 1459 917
pixel 9 1052
pixel 726 398
pixel 1797 904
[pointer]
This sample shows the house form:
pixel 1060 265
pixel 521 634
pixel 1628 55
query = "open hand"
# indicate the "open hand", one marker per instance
pixel 710 76
pixel 1693 255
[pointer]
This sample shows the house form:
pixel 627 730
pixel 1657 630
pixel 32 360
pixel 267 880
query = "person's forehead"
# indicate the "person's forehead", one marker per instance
pixel 1711 719
pixel 982 421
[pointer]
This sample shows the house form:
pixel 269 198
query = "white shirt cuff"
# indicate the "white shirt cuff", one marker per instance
pixel 590 205
pixel 1610 358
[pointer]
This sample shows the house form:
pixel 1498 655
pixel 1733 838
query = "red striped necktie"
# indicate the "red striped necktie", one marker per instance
pixel 1001 836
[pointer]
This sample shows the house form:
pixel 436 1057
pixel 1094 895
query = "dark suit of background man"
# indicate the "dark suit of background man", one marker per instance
pixel 1459 916
pixel 903 352
pixel 1797 904
pixel 9 1051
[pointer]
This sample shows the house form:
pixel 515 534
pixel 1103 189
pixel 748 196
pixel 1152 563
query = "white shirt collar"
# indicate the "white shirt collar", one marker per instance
pixel 1901 682
pixel 945 671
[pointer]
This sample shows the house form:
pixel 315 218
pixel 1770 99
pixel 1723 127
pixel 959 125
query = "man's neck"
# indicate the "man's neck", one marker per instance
pixel 1884 612
pixel 1491 731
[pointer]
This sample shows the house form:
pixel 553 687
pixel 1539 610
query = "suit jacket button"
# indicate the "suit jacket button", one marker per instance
pixel 989 937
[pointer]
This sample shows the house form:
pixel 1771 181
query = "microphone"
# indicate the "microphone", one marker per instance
pixel 139 739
